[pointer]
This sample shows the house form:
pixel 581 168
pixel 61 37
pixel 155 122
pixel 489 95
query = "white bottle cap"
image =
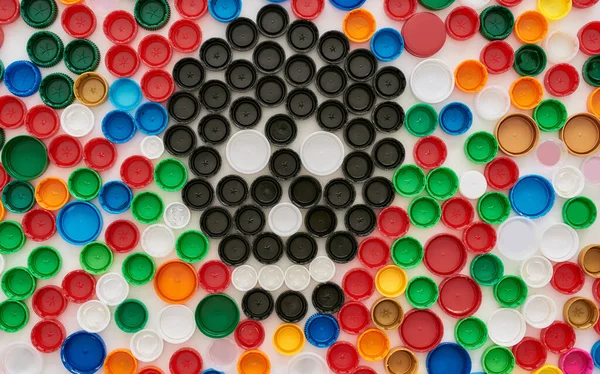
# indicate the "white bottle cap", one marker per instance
pixel 158 240
pixel 561 46
pixel 21 358
pixel 77 120
pixel 432 81
pixel 223 353
pixel 568 182
pixel 559 242
pixel 297 278
pixel 270 277
pixel 492 103
pixel 518 238
pixel 146 345
pixel 536 271
pixel 1 264
pixel 475 4
pixel 506 327
pixel 308 362
pixel 112 289
pixel 590 167
pixel 322 153
pixel 322 269
pixel 177 215
pixel 285 219
pixel 472 184
pixel 539 311
pixel 551 153
pixel 176 324
pixel 152 147
pixel 244 278
pixel 248 151
pixel 93 316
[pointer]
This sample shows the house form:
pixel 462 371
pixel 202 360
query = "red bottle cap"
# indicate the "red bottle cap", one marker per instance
pixel 354 317
pixel 501 173
pixel 530 353
pixel 78 21
pixel 39 224
pixel 191 9
pixel 12 112
pixel 509 3
pixel 597 327
pixel 400 10
pixel 462 23
pixel 122 61
pixel 99 154
pixel 567 278
pixel 561 80
pixel 596 290
pixel 79 286
pixel 214 276
pixel 185 35
pixel 479 237
pixel 430 152
pixel 1 37
pixel 155 50
pixel 249 334
pixel 358 284
pixel 307 9
pixel 589 38
pixel 374 252
pixel 421 330
pixel 342 358
pixel 157 85
pixel 9 11
pixel 185 361
pixel 49 301
pixel 4 177
pixel 584 3
pixel 460 296
pixel 121 236
pixel 120 27
pixel 364 370
pixel 445 255
pixel 65 151
pixel 393 222
pixel 457 212
pixel 424 34
pixel 151 370
pixel 497 56
pixel 137 171
pixel 47 335
pixel 559 337
pixel 42 121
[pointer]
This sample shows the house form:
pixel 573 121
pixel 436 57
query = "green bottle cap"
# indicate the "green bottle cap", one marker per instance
pixel 471 333
pixel 1 78
pixel 424 212
pixel 96 258
pixel 14 315
pixel 409 180
pixel 18 196
pixel 436 4
pixel 442 183
pixel 487 269
pixel 510 291
pixel 56 90
pixel 81 56
pixel 579 212
pixel 591 71
pixel 422 292
pixel 44 262
pixel 131 316
pixel 498 360
pixel 497 22
pixel 39 13
pixel 217 315
pixel 138 268
pixel 152 14
pixel 530 60
pixel 421 120
pixel 45 49
pixel 170 174
pixel 24 157
pixel 481 147
pixel 550 115
pixel 493 208
pixel 407 252
pixel 18 283
pixel 84 184
pixel 12 237
pixel 192 246
pixel 147 207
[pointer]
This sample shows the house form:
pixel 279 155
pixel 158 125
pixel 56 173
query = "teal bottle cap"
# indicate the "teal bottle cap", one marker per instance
pixel 81 56
pixel 12 238
pixel 550 115
pixel 471 333
pixel 18 283
pixel 424 212
pixel 18 196
pixel 14 315
pixel 510 291
pixel 422 292
pixel 45 49
pixel 481 147
pixel 138 268
pixel 493 208
pixel 147 207
pixel 170 174
pixel 131 316
pixel 56 90
pixel 421 120
pixel 442 183
pixel 497 22
pixel 39 13
pixel 487 269
pixel 498 360
pixel 409 180
pixel 96 258
pixel 192 246
pixel 530 60
pixel 407 252
pixel 217 315
pixel 44 262
pixel 24 157
pixel 152 14
pixel 591 71
pixel 84 184
pixel 579 212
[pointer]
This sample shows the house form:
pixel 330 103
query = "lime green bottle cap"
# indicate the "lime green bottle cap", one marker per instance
pixel 550 115
pixel 131 316
pixel 14 315
pixel 12 237
pixel 18 196
pixel 481 147
pixel 421 120
pixel 56 90
pixel 84 184
pixel 44 262
pixel 530 60
pixel 422 292
pixel 407 252
pixel 409 180
pixel 424 212
pixel 496 22
pixel 436 4
pixel 192 246
pixel 18 283
pixel 39 13
pixel 96 258
pixel 487 269
pixel 442 183
pixel 170 174
pixel 579 212
pixel 493 208
pixel 147 207
pixel 471 333
pixel 24 157
pixel 217 315
pixel 45 49
pixel 152 14
pixel 81 56
pixel 510 291
pixel 591 71
pixel 498 360
pixel 138 268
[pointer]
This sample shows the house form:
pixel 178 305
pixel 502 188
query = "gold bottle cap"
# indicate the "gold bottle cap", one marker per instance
pixel 581 313
pixel 387 314
pixel 91 89
pixel 401 361
pixel 589 260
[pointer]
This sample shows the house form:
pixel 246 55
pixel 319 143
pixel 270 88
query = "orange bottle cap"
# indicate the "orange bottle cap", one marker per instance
pixel 401 361
pixel 2 211
pixel 593 102
pixel 517 134
pixel 52 193
pixel 531 27
pixel 526 93
pixel 359 25
pixel 581 313
pixel 254 362
pixel 120 361
pixel 288 339
pixel 175 282
pixel 391 281
pixel 470 76
pixel 373 345
pixel 589 260
pixel 581 134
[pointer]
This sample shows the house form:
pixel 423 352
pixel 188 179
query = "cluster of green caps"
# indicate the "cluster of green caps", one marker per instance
pixel 46 49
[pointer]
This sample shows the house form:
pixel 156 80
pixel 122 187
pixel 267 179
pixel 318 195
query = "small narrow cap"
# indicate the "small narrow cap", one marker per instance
pixel 455 118
pixel 96 258
pixel 401 360
pixel 225 11
pixel 510 292
pixel 393 222
pixel 157 85
pixel 342 357
pixel 536 271
pixel 185 361
pixel 424 212
pixel 288 339
pixel 131 316
pixel 120 27
pixel 146 345
pixel 409 180
pixel 387 314
pixel 550 115
pixel 501 173
pixel 487 269
pixel 462 23
pixel 430 152
pixel 579 212
pixel 470 76
pixel 307 9
pixel 38 225
pixel 391 281
pixel 44 262
pixel 125 94
pixel 506 327
pixel 120 361
pixel 297 278
pixel 147 207
pixel 559 242
pixel 291 306
pixel 47 335
pixel 41 121
pixel 531 27
pixel 15 316
pixel 526 93
pixel 271 277
pixel 539 311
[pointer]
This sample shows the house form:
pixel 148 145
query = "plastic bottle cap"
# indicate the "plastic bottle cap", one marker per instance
pixel 373 345
pixel 185 361
pixel 307 362
pixel 96 258
pixel 518 238
pixel 131 316
pixel 581 313
pixel 421 120
pixel 79 286
pixel 358 284
pixel 10 13
pixel 155 50
pixel 18 196
pixel 99 154
pixel 47 301
pixel 121 236
pixel 152 147
pixel 459 296
pixel 559 337
pixel 472 184
pixel 359 25
pixel 455 118
pixel 415 42
pixel 190 9
pixel 497 56
pixel 536 271
pixel 532 196
pixel 21 358
pixel 115 197
pixel 271 277
pixel 407 252
pixel 225 11
pixel 242 34
pixel 387 314
pixel 185 36
pixel 307 9
pixel 112 289
pixel 448 356
pixel 15 316
pixel 457 213
pixel 462 23
pixel 158 240
pixel 175 282
pixel 502 173
pixel 391 281
pixel 24 157
pixel 539 311
pixel 291 306
pixel 249 334
pixel 79 222
pixel 223 353
pixel 297 278
pixel 409 180
pixel 393 222
pixel 38 225
pixel 56 90
pixel 510 291
pixel 530 60
pixel 567 278
pixel 120 361
pixel 496 22
pixel 422 292
pixel 120 27
pixel 285 219
pixel 374 252
pixel 47 335
pixel 138 268
pixel 77 120
pixel 29 79
pixel 421 330
pixel 587 260
pixel 531 27
pixel 146 345
pixel 217 304
pixel 241 158
pixel 288 339
pixel 581 134
pixel 125 94
pixel 498 360
pixel 432 80
pixel 471 333
pixel 429 152
pixel 424 212
pixel 568 182
pixel 322 269
pixel 506 327
pixel 14 112
pixel 576 360
pixel 65 151
pixel 44 262
pixel 550 115
pixel 470 76
pixel 83 344
pixel 579 212
pixel 554 10
pixel 442 183
pixel 183 107
pixel 492 103
pixel 561 80
pixel 45 48
pixel 13 238
pixel 401 361
pixel 342 357
pixel 561 46
pixel 526 93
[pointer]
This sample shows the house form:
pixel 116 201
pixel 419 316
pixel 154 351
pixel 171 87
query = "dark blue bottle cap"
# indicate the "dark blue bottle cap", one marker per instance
pixel 115 197
pixel 347 4
pixel 448 358
pixel 456 118
pixel 118 126
pixel 79 222
pixel 151 118
pixel 22 78
pixel 225 10
pixel 83 353
pixel 212 371
pixel 386 44
pixel 532 196
pixel 321 330
pixel 125 94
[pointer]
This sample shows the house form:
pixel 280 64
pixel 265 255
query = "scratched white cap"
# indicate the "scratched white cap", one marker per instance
pixel 539 311
pixel 322 269
pixel 21 358
pixel 177 215
pixel 158 240
pixel 559 242
pixel 152 147
pixel 248 151
pixel 93 316
pixel 244 278
pixel 322 153
pixel 146 345
pixel 112 289
pixel 432 81
pixel 77 120
pixel 506 327
pixel 270 277
pixel 472 184
pixel 536 271
pixel 176 324
pixel 297 278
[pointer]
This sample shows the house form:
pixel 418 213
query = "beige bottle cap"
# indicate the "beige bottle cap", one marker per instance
pixel 401 361
pixel 517 134
pixel 387 314
pixel 91 89
pixel 589 260
pixel 581 134
pixel 581 313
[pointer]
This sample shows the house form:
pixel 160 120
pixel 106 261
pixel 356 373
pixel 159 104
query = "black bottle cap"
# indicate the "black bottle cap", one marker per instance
pixel 302 35
pixel 241 75
pixel 249 220
pixel 183 107
pixel 301 103
pixel 388 116
pixel 245 112
pixel 331 80
pixel 378 192
pixel 257 304
pixel 389 82
pixel 215 96
pixel 388 153
pixel 285 164
pixel 331 115
pixel 299 70
pixel 232 190
pixel 215 222
pixel 333 47
pixel 357 166
pixel 270 91
pixel 305 191
pixel 267 248
pixel 341 247
pixel 188 74
pixel 327 297
pixel 242 34
pixel 197 194
pixel 215 54
pixel 301 248
pixel 179 140
pixel 291 307
pixel 214 129
pixel 265 191
pixel 281 130
pixel 361 64
pixel 320 220
pixel 359 98
pixel 359 133
pixel 205 161
pixel 272 20
pixel 268 57
pixel 234 250
pixel 360 219
pixel 339 193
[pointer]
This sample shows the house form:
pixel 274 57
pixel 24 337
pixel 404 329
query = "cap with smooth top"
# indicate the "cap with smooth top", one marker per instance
pixel 531 27
pixel 532 196
pixel 448 356
pixel 568 182
pixel 498 360
pixel 506 327
pixel 518 238
pixel 539 311
pixel 567 278
pixel 354 317
pixel 49 302
pixel 79 222
pixel 387 44
pixel 459 296
pixel 492 102
pixel 536 271
pixel 185 361
pixel 517 134
pixel 422 292
pixel 421 120
pixel 226 310
pixel 442 183
pixel 244 278
pixel 44 262
pixel 580 313
pixel 341 247
pixel 176 324
pixel 550 115
pixel 83 351
pixel 547 369
pixel 588 259
pixel 342 357
pixel 581 134
pixel 373 345
pixel 391 281
pixel 510 291
pixel 471 333
pixel 131 316
pixel 424 212
pixel 175 282
pixel 559 242
pixel 487 269
pixel 112 289
pixel 138 268
pixel 288 339
pixel 254 361
pixel 455 118
pixel 421 330
pixel 579 212
pixel 407 252
pixel 414 30
pixel 431 70
pixel 361 64
pixel 268 57
pixel 183 107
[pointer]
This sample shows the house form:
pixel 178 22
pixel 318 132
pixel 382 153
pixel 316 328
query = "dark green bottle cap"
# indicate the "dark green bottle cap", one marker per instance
pixel 409 180
pixel 510 291
pixel 591 71
pixel 18 196
pixel 56 90
pixel 481 147
pixel 530 60
pixel 471 333
pixel 44 262
pixel 45 49
pixel 1 75
pixel 147 207
pixel 14 315
pixel 407 252
pixel 39 13
pixel 131 316
pixel 192 246
pixel 2 135
pixel 152 14
pixel 498 360
pixel 579 212
pixel 424 212
pixel 84 184
pixel 436 4
pixel 18 283
pixel 442 183
pixel 550 115
pixel 24 157
pixel 170 174
pixel 217 315
pixel 497 22
pixel 81 56
pixel 487 269
pixel 138 268
pixel 421 120
pixel 96 258
pixel 12 237
pixel 493 207
pixel 422 292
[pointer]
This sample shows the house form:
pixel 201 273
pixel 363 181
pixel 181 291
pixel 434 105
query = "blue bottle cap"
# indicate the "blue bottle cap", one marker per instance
pixel 225 10
pixel 213 371
pixel 22 78
pixel 532 196
pixel 448 358
pixel 386 44
pixel 115 197
pixel 118 126
pixel 83 353
pixel 151 118
pixel 347 4
pixel 79 222
pixel 456 118
pixel 595 353
pixel 321 330
pixel 125 94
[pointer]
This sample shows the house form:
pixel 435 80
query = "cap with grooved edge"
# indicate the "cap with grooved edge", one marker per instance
pixel 152 14
pixel 471 333
pixel 131 316
pixel 14 316
pixel 138 268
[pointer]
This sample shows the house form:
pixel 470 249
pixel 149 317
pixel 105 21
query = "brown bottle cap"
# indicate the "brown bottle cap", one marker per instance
pixel 581 313
pixel 387 314
pixel 517 134
pixel 91 89
pixel 581 134
pixel 589 260
pixel 401 361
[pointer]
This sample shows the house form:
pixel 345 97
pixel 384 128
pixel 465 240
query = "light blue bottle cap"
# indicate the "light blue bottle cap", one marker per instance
pixel 22 78
pixel 448 358
pixel 118 126
pixel 125 94
pixel 83 352
pixel 151 118
pixel 115 197
pixel 225 10
pixel 386 44
pixel 532 196
pixel 595 353
pixel 321 330
pixel 79 222
pixel 347 4
pixel 455 118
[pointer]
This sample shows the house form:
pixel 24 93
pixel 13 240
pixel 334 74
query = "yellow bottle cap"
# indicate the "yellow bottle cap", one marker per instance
pixel 91 89
pixel 52 193
pixel 391 281
pixel 531 27
pixel 401 361
pixel 120 361
pixel 254 362
pixel 547 369
pixel 359 25
pixel 526 93
pixel 373 345
pixel 554 10
pixel 288 339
